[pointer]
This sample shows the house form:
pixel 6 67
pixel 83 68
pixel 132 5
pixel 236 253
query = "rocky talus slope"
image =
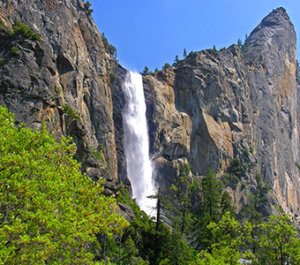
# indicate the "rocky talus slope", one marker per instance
pixel 213 106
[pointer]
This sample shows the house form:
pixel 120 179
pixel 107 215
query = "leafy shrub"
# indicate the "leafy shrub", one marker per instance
pixel 236 167
pixel 108 47
pixel 185 170
pixel 22 29
pixel 72 114
pixel 2 24
pixel 96 154
pixel 113 77
pixel 59 89
pixel 14 51
pixel 145 71
pixel 87 6
pixel 166 66
pixel 230 180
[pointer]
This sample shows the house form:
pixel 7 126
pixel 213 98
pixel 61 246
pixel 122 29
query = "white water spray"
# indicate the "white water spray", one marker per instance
pixel 136 143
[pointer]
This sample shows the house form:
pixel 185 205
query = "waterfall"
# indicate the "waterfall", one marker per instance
pixel 136 143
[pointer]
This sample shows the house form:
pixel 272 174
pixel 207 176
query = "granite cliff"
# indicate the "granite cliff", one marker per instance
pixel 240 102
pixel 63 79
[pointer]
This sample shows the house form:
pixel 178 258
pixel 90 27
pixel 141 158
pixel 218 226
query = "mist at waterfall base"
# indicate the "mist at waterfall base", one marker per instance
pixel 136 144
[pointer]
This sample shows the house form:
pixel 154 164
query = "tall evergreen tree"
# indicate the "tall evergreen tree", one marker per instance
pixel 208 209
pixel 176 61
pixel 211 195
pixel 226 203
pixel 184 53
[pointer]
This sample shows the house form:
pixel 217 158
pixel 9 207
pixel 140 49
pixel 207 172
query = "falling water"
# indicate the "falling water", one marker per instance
pixel 136 143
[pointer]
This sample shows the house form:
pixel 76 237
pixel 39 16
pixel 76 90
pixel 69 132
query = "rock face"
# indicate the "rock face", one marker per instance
pixel 211 107
pixel 239 102
pixel 63 79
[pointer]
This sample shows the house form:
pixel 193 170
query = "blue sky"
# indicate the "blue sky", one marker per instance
pixel 153 32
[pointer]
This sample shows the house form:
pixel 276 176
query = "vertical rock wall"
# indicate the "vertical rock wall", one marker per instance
pixel 69 67
pixel 211 107
pixel 238 102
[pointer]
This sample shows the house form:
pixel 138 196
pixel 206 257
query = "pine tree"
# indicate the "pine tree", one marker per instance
pixel 176 61
pixel 176 205
pixel 211 195
pixel 145 71
pixel 208 209
pixel 226 203
pixel 240 43
pixel 184 53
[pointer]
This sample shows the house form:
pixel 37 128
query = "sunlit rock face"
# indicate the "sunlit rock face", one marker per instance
pixel 68 67
pixel 211 107
pixel 237 102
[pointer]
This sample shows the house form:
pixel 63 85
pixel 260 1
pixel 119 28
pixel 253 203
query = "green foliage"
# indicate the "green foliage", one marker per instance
pixel 145 71
pixel 230 180
pixel 251 150
pixel 176 60
pixel 71 114
pixel 185 170
pixel 275 242
pixel 229 238
pixel 113 77
pixel 246 151
pixel 226 203
pixel 9 32
pixel 59 89
pixel 2 24
pixel 236 167
pixel 96 154
pixel 214 50
pixel 261 193
pixel 220 238
pixel 166 66
pixel 22 29
pixel 235 171
pixel 176 204
pixel 245 48
pixel 87 6
pixel 14 51
pixel 143 239
pixel 250 212
pixel 279 243
pixel 2 60
pixel 50 212
pixel 297 165
pixel 108 47
pixel 211 192
pixel 184 53
pixel 240 43
pixel 207 210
